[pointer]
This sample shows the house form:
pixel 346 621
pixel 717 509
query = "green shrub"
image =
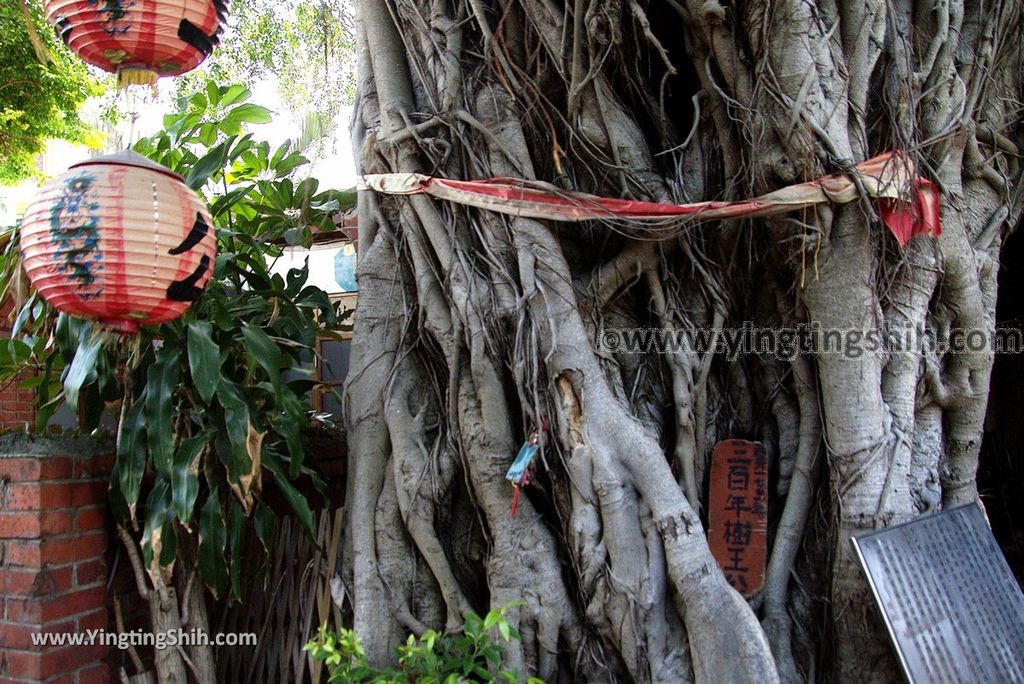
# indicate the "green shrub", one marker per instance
pixel 432 658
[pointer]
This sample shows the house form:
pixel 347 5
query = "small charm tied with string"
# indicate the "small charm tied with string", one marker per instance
pixel 519 472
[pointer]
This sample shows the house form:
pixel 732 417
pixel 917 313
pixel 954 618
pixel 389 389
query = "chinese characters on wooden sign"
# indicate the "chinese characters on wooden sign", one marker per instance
pixel 738 512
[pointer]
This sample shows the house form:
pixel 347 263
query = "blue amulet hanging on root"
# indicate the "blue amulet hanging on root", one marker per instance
pixel 519 472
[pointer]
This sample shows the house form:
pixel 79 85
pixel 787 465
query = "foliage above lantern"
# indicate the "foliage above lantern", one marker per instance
pixel 119 239
pixel 139 40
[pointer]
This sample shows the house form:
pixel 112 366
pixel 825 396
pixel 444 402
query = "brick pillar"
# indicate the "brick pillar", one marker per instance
pixel 53 567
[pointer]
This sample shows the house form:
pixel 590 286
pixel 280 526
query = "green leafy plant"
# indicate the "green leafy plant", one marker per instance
pixel 212 403
pixel 432 658
pixel 305 48
pixel 42 86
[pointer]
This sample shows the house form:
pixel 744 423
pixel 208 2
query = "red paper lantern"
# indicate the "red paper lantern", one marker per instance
pixel 139 40
pixel 119 239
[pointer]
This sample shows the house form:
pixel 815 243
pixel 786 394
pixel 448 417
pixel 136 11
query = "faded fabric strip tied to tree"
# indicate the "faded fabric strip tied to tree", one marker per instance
pixel 910 205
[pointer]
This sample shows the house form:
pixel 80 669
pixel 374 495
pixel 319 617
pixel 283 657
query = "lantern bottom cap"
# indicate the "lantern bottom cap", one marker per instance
pixel 121 326
pixel 136 76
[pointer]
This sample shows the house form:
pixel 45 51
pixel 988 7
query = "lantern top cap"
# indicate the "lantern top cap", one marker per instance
pixel 130 158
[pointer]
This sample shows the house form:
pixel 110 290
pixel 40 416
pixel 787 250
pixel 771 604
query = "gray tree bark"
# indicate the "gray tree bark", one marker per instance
pixel 473 328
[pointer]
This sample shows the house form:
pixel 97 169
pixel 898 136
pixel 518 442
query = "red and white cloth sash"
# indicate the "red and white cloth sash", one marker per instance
pixel 908 204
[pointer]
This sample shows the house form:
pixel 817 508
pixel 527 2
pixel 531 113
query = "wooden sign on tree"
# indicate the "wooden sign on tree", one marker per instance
pixel 738 513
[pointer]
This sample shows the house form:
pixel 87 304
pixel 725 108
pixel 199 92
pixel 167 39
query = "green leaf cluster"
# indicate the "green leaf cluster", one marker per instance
pixel 212 403
pixel 248 184
pixel 306 47
pixel 471 655
pixel 42 88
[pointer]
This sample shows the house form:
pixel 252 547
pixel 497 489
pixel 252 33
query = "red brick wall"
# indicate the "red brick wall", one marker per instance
pixel 15 404
pixel 53 560
pixel 16 409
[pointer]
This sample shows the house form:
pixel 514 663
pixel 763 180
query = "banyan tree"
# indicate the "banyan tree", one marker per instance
pixel 477 327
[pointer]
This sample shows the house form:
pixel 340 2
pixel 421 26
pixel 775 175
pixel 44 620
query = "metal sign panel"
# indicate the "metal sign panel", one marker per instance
pixel 953 608
pixel 738 513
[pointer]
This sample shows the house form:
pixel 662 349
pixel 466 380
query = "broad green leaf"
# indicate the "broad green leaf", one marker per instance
pixel 207 134
pixel 66 334
pixel 237 525
pixel 289 164
pixel 183 126
pixel 203 359
pixel 171 120
pixel 225 202
pixel 210 163
pixel 158 505
pixel 161 383
pixel 264 151
pixel 299 236
pixel 115 500
pixel 242 114
pixel 49 395
pixel 185 476
pixel 345 199
pixel 263 521
pixel 254 275
pixel 245 485
pixel 236 423
pixel 297 278
pixel 197 102
pixel 212 539
pixel 290 430
pixel 213 93
pixel 285 191
pixel 244 144
pixel 14 353
pixel 305 191
pixel 24 316
pixel 168 542
pixel 314 297
pixel 108 378
pixel 263 351
pixel 281 151
pixel 31 383
pixel 131 452
pixel 234 93
pixel 83 367
pixel 295 499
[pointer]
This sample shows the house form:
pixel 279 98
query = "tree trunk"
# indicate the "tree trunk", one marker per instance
pixel 194 614
pixel 164 617
pixel 162 591
pixel 474 329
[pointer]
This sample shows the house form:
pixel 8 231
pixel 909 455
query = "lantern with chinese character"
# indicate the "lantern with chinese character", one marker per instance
pixel 119 239
pixel 139 40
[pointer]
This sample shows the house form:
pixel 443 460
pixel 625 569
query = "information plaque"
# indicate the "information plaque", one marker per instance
pixel 953 608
